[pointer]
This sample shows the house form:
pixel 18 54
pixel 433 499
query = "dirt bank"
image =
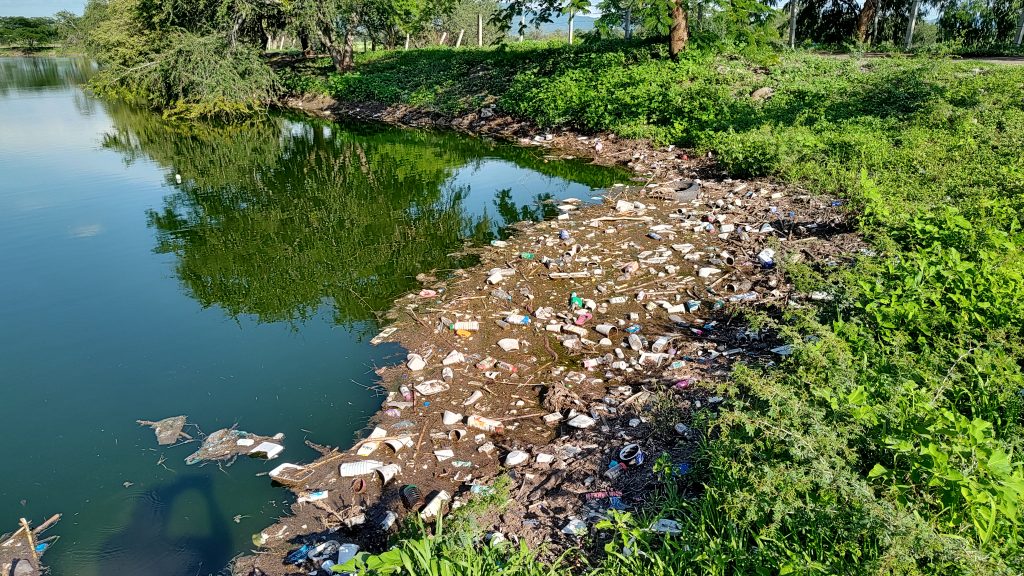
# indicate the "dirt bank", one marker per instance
pixel 573 340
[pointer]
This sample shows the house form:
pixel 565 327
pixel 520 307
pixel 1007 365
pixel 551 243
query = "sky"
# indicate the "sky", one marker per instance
pixel 39 7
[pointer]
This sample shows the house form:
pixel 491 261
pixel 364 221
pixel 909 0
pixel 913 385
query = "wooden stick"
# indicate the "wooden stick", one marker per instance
pixel 416 453
pixel 632 218
pixel 12 537
pixel 31 540
pixel 510 419
pixel 42 527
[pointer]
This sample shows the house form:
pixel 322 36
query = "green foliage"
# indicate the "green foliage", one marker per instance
pixel 173 58
pixel 456 546
pixel 27 32
pixel 890 442
pixel 198 77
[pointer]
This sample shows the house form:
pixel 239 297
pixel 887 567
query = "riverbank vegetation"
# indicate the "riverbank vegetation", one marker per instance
pixel 890 442
pixel 207 58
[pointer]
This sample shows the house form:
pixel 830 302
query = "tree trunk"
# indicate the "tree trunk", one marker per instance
pixel 874 28
pixel 793 9
pixel 628 24
pixel 1020 29
pixel 867 16
pixel 304 43
pixel 679 34
pixel 336 52
pixel 347 52
pixel 909 40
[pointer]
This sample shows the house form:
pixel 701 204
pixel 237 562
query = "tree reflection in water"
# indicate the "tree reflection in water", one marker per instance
pixel 274 219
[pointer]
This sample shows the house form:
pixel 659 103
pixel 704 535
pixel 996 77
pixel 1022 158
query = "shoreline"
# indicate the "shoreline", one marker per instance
pixel 634 310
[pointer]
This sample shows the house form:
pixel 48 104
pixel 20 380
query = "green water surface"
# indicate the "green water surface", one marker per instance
pixel 244 294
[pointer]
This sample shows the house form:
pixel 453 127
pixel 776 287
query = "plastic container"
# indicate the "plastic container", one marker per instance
pixel 471 326
pixel 485 424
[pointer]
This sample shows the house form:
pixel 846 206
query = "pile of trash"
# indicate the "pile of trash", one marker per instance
pixel 21 552
pixel 222 445
pixel 574 356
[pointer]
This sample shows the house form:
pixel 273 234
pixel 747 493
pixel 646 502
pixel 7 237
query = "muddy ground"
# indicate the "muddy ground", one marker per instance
pixel 610 326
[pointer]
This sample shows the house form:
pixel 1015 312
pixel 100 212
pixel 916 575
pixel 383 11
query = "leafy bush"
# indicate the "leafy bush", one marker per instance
pixel 196 76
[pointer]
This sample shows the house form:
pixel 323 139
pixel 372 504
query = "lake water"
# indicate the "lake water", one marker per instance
pixel 245 294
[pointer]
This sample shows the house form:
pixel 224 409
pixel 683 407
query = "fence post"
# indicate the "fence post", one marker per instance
pixel 459 41
pixel 479 30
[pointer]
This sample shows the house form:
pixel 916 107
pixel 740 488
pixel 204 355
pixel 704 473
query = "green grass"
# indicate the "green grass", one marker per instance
pixel 890 442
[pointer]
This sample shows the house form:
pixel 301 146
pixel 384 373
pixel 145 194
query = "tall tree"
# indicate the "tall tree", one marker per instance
pixel 868 13
pixel 679 33
pixel 908 41
pixel 1020 29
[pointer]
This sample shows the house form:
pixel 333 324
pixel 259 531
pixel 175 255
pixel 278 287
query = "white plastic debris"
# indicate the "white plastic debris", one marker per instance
pixel 766 257
pixel 516 458
pixel 508 344
pixel 268 450
pixel 453 357
pixel 708 271
pixel 360 468
pixel 575 527
pixel 431 387
pixel 370 447
pixel 666 526
pixel 784 350
pixel 415 362
pixel 433 508
pixel 582 421
pixel 473 398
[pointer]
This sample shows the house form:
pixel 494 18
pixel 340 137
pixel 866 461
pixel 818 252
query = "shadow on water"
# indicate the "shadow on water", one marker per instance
pixel 151 543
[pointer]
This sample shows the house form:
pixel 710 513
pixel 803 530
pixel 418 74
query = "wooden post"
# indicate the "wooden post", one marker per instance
pixel 572 15
pixel 31 540
pixel 459 41
pixel 909 40
pixel 792 23
pixel 444 36
pixel 479 30
pixel 407 41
